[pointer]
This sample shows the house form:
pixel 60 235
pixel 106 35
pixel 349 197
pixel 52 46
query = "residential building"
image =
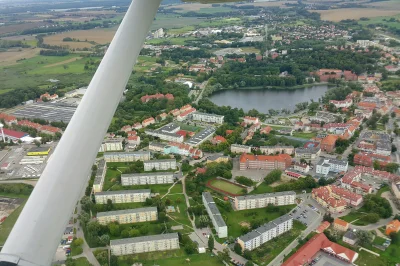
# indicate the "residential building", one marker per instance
pixel 323 226
pixel 217 140
pixel 396 189
pixel 112 145
pixel 350 237
pixel 144 244
pixel 100 175
pixel 147 178
pixel 128 216
pixel 335 199
pixel 340 225
pixel 320 243
pixel 237 148
pixel 392 227
pixel 209 118
pixel 137 126
pixel 48 97
pixel 122 196
pixel 133 140
pixel 266 130
pixel 265 162
pixel 184 115
pixel 342 104
pixel 328 143
pixel 265 233
pixel 157 96
pixel 326 165
pixel 158 165
pixel 215 216
pixel 120 157
pixel 217 159
pixel 8 119
pixel 301 167
pixel 200 137
pixel 277 149
pixel 251 120
pixel 310 153
pixel 263 200
pixel 156 146
pixel 148 121
pixel 182 149
pixel 367 159
pixel 126 128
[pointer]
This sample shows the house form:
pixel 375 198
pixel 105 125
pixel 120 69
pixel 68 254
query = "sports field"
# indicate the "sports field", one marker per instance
pixel 226 186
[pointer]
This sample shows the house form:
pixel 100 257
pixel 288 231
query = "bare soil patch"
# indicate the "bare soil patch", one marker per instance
pixel 284 179
pixel 64 62
pixel 245 224
pixel 20 27
pixel 354 13
pixel 12 55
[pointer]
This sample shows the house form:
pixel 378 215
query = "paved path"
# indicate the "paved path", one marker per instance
pixel 202 87
pixel 169 190
pixel 20 181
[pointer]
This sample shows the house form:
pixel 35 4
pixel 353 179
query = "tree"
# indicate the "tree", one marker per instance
pixel 109 205
pixel 238 249
pixel 364 237
pixel 211 243
pixel 249 263
pixel 224 255
pixel 328 217
pixel 392 167
pixel 105 239
pixel 273 176
pixel 114 229
pixel 86 204
pixel 113 260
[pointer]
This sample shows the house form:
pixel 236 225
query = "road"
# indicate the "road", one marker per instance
pixel 306 200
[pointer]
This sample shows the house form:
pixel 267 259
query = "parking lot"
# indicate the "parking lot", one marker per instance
pixel 47 111
pixel 304 214
pixel 325 259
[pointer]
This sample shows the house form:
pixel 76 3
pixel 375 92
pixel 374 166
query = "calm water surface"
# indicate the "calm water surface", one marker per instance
pixel 263 99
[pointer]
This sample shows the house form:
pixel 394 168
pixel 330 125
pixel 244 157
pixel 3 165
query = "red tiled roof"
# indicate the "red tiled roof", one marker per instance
pixel 323 226
pixel 14 134
pixel 219 139
pixel 340 222
pixel 228 132
pixel 7 118
pixel 329 140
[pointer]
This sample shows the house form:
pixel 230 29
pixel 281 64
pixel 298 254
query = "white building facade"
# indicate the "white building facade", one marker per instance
pixel 159 165
pixel 263 200
pixel 147 178
pixel 122 196
pixel 209 118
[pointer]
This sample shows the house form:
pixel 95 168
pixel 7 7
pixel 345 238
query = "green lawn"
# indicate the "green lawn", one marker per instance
pixel 262 188
pixel 382 190
pixel 81 262
pixel 226 186
pixel 173 41
pixel 112 178
pixel 367 259
pixel 162 188
pixel 8 224
pixel 268 251
pixel 178 201
pixel 75 67
pixel 304 135
pixel 377 20
pixel 170 21
pixel 379 240
pixel 221 22
pixel 175 259
pixel 233 219
pixel 186 127
pixel 181 30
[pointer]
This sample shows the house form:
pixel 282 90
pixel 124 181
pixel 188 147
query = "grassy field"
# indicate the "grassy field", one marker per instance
pixel 8 224
pixel 263 188
pixel 354 13
pixel 178 201
pixel 226 186
pixel 221 22
pixel 234 219
pixel 188 127
pixel 382 20
pixel 81 262
pixel 304 135
pixel 177 260
pixel 174 41
pixel 172 21
pixel 366 259
pixel 181 30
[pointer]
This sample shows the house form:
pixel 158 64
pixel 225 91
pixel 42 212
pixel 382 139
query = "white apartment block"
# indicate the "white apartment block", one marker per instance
pixel 324 166
pixel 100 175
pixel 112 145
pixel 277 149
pixel 122 196
pixel 266 232
pixel 119 157
pixel 262 200
pixel 128 216
pixel 209 118
pixel 237 148
pixel 147 178
pixel 144 244
pixel 159 165
pixel 215 215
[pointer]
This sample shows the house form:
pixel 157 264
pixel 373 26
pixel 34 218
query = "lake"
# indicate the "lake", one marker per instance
pixel 264 99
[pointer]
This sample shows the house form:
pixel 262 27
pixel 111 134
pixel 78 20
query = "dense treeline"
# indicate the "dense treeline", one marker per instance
pixel 23 189
pixel 184 54
pixel 10 44
pixel 16 97
pixel 66 27
pixel 54 52
pixel 378 205
pixel 302 183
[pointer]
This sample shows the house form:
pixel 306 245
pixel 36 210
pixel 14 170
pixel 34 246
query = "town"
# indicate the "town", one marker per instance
pixel 257 134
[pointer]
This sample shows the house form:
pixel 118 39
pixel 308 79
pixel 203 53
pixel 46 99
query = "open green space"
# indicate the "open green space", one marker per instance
pixel 268 251
pixel 227 186
pixel 221 22
pixel 382 190
pixel 174 258
pixel 262 188
pixel 172 41
pixel 304 135
pixel 173 21
pixel 236 219
pixel 181 30
pixel 390 21
pixel 81 262
pixel 365 259
pixel 355 216
pixel 161 189
pixel 379 240
pixel 8 224
pixel 180 215
pixel 187 127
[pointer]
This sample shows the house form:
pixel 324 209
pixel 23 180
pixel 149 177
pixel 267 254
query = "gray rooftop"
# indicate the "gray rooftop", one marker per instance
pixel 149 132
pixel 129 211
pixel 144 239
pixel 119 192
pixel 99 173
pixel 206 114
pixel 384 145
pixel 322 161
pixel 308 150
pixel 266 195
pixel 214 209
pixel 199 137
pixel 350 235
pixel 169 128
pixel 148 174
pixel 240 146
pixel 47 111
pixel 158 144
pixel 160 161
pixel 215 157
pixel 207 196
pixel 276 147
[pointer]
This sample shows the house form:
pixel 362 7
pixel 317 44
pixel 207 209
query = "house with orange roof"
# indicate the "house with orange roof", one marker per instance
pixel 163 116
pixel 228 132
pixel 48 97
pixel 392 227
pixel 328 143
pixel 340 225
pixel 251 120
pixel 366 105
pixel 126 128
pixel 266 130
pixel 322 227
pixel 175 112
pixel 8 119
pixel 217 140
pixel 134 140
pixel 148 122
pixel 137 126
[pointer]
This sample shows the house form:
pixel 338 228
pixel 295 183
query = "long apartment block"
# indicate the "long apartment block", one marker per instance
pixel 128 216
pixel 100 175
pixel 160 165
pixel 262 200
pixel 120 157
pixel 215 215
pixel 122 196
pixel 144 244
pixel 147 178
pixel 266 232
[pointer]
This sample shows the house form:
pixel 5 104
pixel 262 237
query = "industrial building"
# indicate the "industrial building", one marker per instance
pixel 215 215
pixel 122 196
pixel 144 244
pixel 263 200
pixel 128 216
pixel 147 178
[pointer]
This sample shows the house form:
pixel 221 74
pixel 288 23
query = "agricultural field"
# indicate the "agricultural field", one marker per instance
pixel 382 20
pixel 8 224
pixel 354 13
pixel 173 21
pixel 12 56
pixel 227 186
